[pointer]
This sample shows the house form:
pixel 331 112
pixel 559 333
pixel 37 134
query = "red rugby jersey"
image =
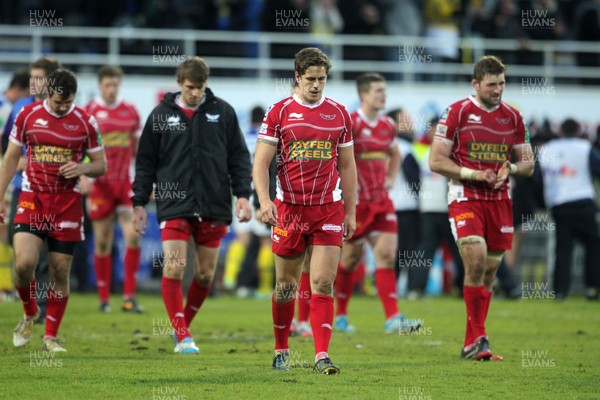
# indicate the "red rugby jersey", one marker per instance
pixel 308 137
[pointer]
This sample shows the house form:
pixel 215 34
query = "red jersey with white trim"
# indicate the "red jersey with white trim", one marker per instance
pixel 372 140
pixel 480 138
pixel 307 137
pixel 119 125
pixel 53 141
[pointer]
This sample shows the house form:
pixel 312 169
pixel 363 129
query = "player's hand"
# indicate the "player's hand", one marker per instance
pixel 502 174
pixel 139 219
pixel 243 210
pixel 268 213
pixel 388 183
pixel 349 226
pixel 73 170
pixel 488 176
pixel 22 165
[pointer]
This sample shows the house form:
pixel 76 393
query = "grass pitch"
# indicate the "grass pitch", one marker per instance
pixel 551 351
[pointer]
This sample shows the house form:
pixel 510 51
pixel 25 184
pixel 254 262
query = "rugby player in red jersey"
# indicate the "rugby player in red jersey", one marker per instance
pixel 473 141
pixel 312 136
pixel 377 163
pixel 119 124
pixel 56 133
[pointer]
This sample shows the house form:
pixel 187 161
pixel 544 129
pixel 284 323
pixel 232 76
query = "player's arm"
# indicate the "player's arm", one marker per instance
pixel 9 166
pixel 96 167
pixel 393 165
pixel 525 162
pixel 349 184
pixel 239 166
pixel 440 162
pixel 264 154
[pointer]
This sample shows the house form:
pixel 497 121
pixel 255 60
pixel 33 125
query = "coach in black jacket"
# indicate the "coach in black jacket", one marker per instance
pixel 192 149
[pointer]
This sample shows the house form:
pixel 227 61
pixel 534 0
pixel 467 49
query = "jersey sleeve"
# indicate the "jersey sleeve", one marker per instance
pixel 269 130
pixel 138 122
pixel 521 132
pixel 94 142
pixel 346 136
pixel 447 126
pixel 17 133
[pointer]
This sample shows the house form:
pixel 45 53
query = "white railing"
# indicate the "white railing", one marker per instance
pixel 22 44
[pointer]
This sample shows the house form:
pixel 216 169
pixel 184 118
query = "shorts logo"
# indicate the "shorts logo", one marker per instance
pixel 465 215
pixel 68 225
pixel 331 227
pixel 507 229
pixel 311 150
pixel 280 232
pixel 492 152
pixel 276 238
pixel 460 224
pixel 27 204
pixel 391 217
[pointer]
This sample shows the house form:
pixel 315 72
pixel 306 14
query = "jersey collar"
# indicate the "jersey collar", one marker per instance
pixel 483 108
pixel 309 105
pixel 371 122
pixel 49 110
pixel 104 104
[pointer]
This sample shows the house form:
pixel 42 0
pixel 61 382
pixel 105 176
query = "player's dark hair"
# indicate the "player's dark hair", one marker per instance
pixel 62 82
pixel 363 81
pixel 48 63
pixel 109 71
pixel 257 114
pixel 310 57
pixel 20 79
pixel 570 127
pixel 194 69
pixel 488 65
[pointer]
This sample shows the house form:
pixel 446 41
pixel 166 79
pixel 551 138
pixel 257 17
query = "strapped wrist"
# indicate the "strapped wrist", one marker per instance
pixel 467 174
pixel 513 169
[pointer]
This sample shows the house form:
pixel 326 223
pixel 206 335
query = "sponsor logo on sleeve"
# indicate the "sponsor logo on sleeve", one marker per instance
pixel 444 115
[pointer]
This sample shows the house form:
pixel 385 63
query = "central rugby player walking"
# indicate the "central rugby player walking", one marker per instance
pixel 312 137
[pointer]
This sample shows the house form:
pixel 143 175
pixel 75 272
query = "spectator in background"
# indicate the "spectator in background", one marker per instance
pixel 568 164
pixel 405 194
pixel 506 24
pixel 587 28
pixel 442 24
pixel 433 204
pixel 17 89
